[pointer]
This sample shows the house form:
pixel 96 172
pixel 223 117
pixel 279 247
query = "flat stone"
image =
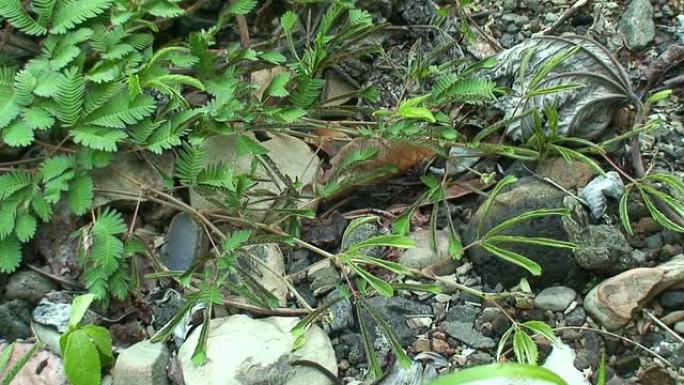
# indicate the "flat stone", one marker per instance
pixel 184 242
pixel 28 285
pixel 637 24
pixel 615 301
pixel 274 261
pixel 424 253
pixel 43 368
pixel 142 364
pixel 341 314
pixel 679 327
pixel 570 175
pixel 466 333
pixel 245 351
pixel 556 298
pixel 672 299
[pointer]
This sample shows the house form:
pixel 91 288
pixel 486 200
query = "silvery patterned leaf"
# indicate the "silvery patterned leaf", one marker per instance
pixel 582 112
pixel 596 191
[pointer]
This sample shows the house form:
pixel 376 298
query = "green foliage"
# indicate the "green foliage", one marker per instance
pixel 7 375
pixel 104 256
pixel 87 349
pixel 656 188
pixel 512 372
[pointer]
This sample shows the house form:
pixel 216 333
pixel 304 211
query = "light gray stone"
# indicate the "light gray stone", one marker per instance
pixel 184 242
pixel 556 298
pixel 245 351
pixel 424 253
pixel 142 364
pixel 271 270
pixel 637 24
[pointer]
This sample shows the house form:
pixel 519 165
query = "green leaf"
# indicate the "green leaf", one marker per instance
pixel 658 96
pixel 395 344
pixel 513 257
pixel 81 359
pixel 455 247
pixel 246 145
pixel 18 134
pixel 624 211
pixel 69 97
pixel 190 163
pixel 512 372
pixel 291 115
pixel 70 13
pixel 80 194
pixel 390 240
pixel 98 138
pixel 109 222
pixel 382 287
pixel 236 239
pixel 387 265
pixel 277 86
pixel 12 10
pixel 555 89
pixel 38 118
pixel 78 309
pixel 420 113
pixel 543 329
pixel 241 7
pixel 524 348
pixel 5 355
pixel 102 340
pixel 10 254
pixel 25 227
pixel 287 21
pixel 526 216
pixel 541 241
pixel 273 57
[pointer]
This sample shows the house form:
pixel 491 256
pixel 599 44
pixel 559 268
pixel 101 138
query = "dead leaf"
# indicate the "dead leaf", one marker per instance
pixel 400 154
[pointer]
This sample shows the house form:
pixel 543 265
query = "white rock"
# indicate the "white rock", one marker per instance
pixel 245 351
pixel 142 364
pixel 43 368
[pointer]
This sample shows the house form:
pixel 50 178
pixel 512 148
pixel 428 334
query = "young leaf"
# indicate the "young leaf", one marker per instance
pixel 25 227
pixel 78 308
pixel 624 212
pixel 524 348
pixel 513 257
pixel 241 7
pixel 81 359
pixel 390 240
pixel 102 340
pixel 277 86
pixel 10 254
pixel 378 284
pixel 512 372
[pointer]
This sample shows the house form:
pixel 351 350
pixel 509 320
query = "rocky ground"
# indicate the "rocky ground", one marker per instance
pixel 623 296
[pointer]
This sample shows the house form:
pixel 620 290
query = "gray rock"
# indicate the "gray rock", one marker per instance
pixel 626 365
pixel 396 311
pixel 142 364
pixel 341 314
pixel 424 254
pixel 672 299
pixel 556 298
pixel 603 247
pixel 184 242
pixel 356 353
pixel 323 277
pixel 637 24
pixel 558 265
pixel 462 313
pixel 679 327
pixel 165 307
pixel 15 320
pixel 576 317
pixel 654 242
pixel 51 313
pixel 245 351
pixel 466 333
pixel 507 40
pixel 28 285
pixel 270 278
pixel 49 336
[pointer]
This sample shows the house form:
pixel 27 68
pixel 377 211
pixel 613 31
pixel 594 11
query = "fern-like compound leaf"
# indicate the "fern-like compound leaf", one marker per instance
pixel 70 13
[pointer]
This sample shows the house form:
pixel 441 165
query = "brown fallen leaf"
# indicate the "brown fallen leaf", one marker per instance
pixel 400 154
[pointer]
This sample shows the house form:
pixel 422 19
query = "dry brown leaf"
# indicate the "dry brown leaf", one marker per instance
pixel 400 154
